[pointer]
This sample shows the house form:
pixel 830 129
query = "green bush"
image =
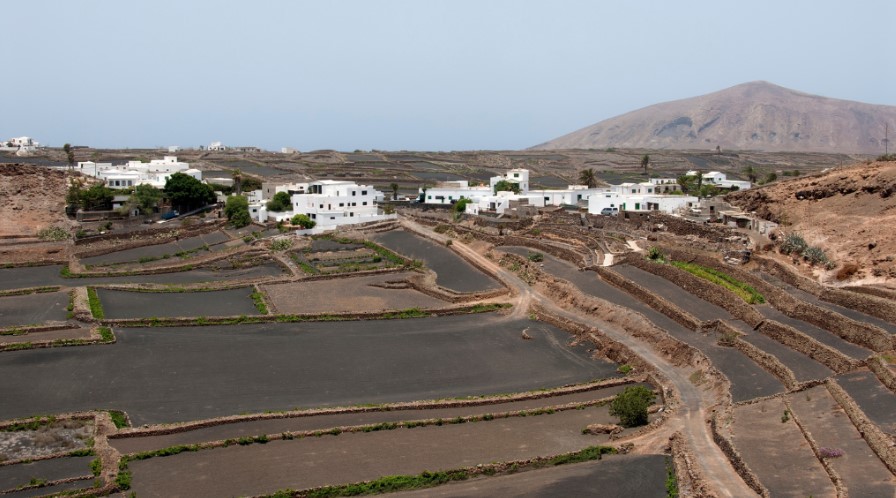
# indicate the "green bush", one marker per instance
pixel 303 220
pixel 631 406
pixel 53 233
pixel 655 254
pixel 535 257
pixel 118 418
pixel 793 243
pixel 258 299
pixel 281 244
pixel 815 255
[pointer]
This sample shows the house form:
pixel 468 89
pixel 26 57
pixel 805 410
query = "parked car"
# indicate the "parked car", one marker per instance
pixel 609 211
pixel 170 214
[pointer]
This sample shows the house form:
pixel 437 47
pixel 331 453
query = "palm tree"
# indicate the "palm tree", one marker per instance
pixel 586 177
pixel 69 156
pixel 237 176
pixel 394 187
pixel 645 161
pixel 751 173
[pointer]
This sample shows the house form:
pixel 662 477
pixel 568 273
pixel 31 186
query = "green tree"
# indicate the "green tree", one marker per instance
pixel 69 155
pixel 631 406
pixel 280 202
pixel 394 187
pixel 97 198
pixel 587 177
pixel 750 171
pixel 505 186
pixel 145 198
pixel 302 220
pixel 645 161
pixel 187 193
pixel 73 197
pixel 237 211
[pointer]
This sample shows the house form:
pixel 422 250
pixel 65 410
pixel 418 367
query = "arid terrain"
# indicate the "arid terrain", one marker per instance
pixel 195 359
pixel 849 211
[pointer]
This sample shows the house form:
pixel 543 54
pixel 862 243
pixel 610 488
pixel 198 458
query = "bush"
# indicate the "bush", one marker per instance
pixel 53 233
pixel 655 254
pixel 793 243
pixel 302 220
pixel 631 406
pixel 535 257
pixel 280 202
pixel 815 255
pixel 281 244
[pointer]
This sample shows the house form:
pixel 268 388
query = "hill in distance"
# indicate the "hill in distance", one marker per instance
pixel 752 116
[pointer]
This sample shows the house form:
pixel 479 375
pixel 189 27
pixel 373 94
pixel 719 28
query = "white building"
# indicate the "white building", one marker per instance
pixel 24 142
pixel 485 198
pixel 155 173
pixel 621 201
pixel 330 203
pixel 720 180
pixel 216 146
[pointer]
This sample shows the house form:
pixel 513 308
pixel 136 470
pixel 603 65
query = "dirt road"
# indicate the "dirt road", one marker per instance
pixel 689 417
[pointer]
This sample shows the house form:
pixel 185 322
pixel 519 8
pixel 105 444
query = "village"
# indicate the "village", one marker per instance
pixel 219 317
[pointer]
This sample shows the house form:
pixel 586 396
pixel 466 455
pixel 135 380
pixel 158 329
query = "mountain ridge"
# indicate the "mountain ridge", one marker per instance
pixel 751 116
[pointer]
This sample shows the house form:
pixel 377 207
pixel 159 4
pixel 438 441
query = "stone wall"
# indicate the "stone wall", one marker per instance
pixel 736 460
pixel 882 371
pixel 798 341
pixel 654 301
pixel 880 442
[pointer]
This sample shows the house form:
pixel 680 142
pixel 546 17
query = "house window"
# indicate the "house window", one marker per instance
pixel 363 192
pixel 364 203
pixel 353 193
pixel 313 216
pixel 516 175
pixel 341 204
pixel 352 214
pixel 547 199
pixel 637 206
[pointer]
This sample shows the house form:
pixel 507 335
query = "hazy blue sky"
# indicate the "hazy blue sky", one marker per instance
pixel 410 74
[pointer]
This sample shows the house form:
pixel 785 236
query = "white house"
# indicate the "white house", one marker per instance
pixel 624 201
pixel 721 180
pixel 24 142
pixel 216 146
pixel 330 203
pixel 155 173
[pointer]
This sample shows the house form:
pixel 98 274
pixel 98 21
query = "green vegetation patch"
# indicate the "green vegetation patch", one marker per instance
pixel 742 289
pixel 96 307
pixel 119 419
pixel 106 334
pixel 258 299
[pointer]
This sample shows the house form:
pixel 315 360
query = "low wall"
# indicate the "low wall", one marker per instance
pixel 825 462
pixel 768 362
pixel 690 480
pixel 883 308
pixel 880 442
pixel 735 459
pixel 798 341
pixel 701 288
pixel 563 253
pixel 654 301
pixel 158 236
pixel 882 371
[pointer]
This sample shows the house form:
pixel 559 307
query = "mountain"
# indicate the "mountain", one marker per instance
pixel 751 116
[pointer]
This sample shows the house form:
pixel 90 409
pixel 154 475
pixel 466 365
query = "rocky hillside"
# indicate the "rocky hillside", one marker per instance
pixel 33 198
pixel 751 116
pixel 850 212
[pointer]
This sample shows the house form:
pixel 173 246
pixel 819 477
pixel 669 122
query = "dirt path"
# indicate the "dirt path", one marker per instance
pixel 689 417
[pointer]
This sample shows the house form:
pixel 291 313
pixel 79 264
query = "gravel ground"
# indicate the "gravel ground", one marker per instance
pixel 618 476
pixel 859 467
pixel 170 374
pixel 452 271
pixel 33 309
pixel 129 304
pixel 353 457
pixel 820 335
pixel 36 276
pixel 878 402
pixel 348 295
pixel 214 240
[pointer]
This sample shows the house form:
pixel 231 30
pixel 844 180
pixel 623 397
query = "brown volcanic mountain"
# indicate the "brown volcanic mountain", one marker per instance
pixel 849 212
pixel 751 116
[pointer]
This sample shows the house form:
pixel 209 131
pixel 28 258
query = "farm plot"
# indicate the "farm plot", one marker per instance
pixel 58 436
pixel 354 457
pixel 168 374
pixel 878 402
pixel 819 334
pixel 328 256
pixel 23 474
pixel 812 299
pixel 269 426
pixel 773 447
pixel 702 310
pixel 213 241
pixel 20 278
pixel 130 304
pixel 46 335
pixel 33 309
pixel 622 476
pixel 452 272
pixel 748 380
pixel 358 294
pixel 861 470
pixel 803 367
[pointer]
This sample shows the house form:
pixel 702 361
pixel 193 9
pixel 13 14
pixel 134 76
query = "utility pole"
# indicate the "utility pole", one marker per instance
pixel 886 139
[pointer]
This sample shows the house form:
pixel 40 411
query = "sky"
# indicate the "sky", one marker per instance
pixel 410 74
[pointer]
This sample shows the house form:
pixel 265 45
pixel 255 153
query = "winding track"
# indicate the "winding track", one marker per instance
pixel 690 415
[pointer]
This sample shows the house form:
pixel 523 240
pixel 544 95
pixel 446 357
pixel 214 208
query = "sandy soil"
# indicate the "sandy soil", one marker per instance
pixel 33 198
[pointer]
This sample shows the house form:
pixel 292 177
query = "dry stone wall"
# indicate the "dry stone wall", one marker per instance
pixel 880 442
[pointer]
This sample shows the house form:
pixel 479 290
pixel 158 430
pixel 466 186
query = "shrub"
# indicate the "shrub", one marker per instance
pixel 281 244
pixel 118 418
pixel 631 405
pixel 655 254
pixel 53 233
pixel 302 220
pixel 847 270
pixel 535 257
pixel 830 452
pixel 793 243
pixel 815 255
pixel 625 369
pixel 237 211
